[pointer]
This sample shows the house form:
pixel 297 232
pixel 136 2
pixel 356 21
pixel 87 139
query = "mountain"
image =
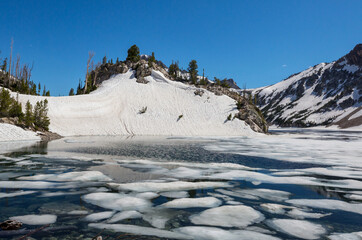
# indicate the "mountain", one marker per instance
pixel 325 94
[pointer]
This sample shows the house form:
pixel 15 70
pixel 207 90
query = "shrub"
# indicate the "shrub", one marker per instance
pixel 133 54
pixel 230 117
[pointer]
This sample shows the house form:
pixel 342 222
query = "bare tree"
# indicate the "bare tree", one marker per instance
pixel 11 56
pixel 17 67
pixel 90 56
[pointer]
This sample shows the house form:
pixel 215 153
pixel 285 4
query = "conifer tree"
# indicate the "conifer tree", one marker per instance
pixel 28 118
pixel 5 65
pixel 71 92
pixel 173 69
pixel 151 59
pixel 193 71
pixel 133 54
pixel 5 102
pixel 104 60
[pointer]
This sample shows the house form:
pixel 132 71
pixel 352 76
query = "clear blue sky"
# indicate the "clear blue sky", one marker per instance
pixel 255 42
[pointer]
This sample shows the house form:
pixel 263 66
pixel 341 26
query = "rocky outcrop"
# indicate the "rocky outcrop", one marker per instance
pixel 252 116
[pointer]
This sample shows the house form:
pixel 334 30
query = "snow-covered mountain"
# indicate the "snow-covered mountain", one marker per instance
pixel 326 94
pixel 122 106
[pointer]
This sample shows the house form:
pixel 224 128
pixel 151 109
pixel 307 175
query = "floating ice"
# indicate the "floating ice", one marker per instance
pixel 275 208
pixel 78 212
pixel 328 204
pixel 159 217
pixel 213 233
pixel 28 184
pixel 180 194
pixel 147 195
pixel 14 194
pixel 60 193
pixel 228 216
pixel 116 201
pixel 297 228
pixel 270 194
pixel 205 202
pixel 299 214
pixel 36 219
pixel 137 230
pixel 346 236
pixel 124 215
pixel 167 186
pixel 94 217
pixel 70 176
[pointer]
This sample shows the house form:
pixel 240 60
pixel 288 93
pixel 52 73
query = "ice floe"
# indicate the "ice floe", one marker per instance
pixel 297 228
pixel 228 216
pixel 138 230
pixel 124 215
pixel 36 219
pixel 94 217
pixel 166 186
pixel 179 194
pixel 28 184
pixel 299 214
pixel 346 236
pixel 270 194
pixel 116 201
pixel 205 202
pixel 14 194
pixel 158 217
pixel 70 176
pixel 213 233
pixel 328 204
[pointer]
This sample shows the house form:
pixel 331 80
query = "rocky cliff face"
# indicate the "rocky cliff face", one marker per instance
pixel 321 95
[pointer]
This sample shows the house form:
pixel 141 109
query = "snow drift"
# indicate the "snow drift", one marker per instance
pixel 115 109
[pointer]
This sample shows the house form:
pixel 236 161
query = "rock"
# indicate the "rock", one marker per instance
pixel 10 225
pixel 199 92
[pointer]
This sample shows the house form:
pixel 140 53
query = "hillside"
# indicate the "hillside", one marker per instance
pixel 115 108
pixel 325 94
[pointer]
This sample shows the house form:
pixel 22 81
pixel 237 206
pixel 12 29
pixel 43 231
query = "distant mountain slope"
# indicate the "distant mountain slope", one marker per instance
pixel 321 95
pixel 122 106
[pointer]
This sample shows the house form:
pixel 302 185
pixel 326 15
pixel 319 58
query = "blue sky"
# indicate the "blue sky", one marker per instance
pixel 257 43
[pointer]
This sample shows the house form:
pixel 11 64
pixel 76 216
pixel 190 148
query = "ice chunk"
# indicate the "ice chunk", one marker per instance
pixel 213 233
pixel 147 195
pixel 124 215
pixel 328 204
pixel 159 217
pixel 275 208
pixel 94 217
pixel 36 219
pixel 205 202
pixel 180 194
pixel 228 216
pixel 14 194
pixel 299 214
pixel 167 186
pixel 78 212
pixel 297 228
pixel 28 184
pixel 346 236
pixel 138 230
pixel 270 194
pixel 70 176
pixel 116 201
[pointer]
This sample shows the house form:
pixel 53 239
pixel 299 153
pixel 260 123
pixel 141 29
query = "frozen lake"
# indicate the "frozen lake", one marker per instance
pixel 292 184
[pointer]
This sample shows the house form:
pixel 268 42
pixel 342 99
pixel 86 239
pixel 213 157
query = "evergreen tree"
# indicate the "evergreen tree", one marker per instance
pixel 151 59
pixel 104 60
pixel 28 118
pixel 5 102
pixel 16 110
pixel 193 71
pixel 173 69
pixel 117 61
pixel 79 88
pixel 71 92
pixel 133 54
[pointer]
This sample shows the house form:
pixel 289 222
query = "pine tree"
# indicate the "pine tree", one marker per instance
pixel 133 54
pixel 173 69
pixel 39 88
pixel 151 59
pixel 71 92
pixel 5 65
pixel 193 71
pixel 104 60
pixel 5 102
pixel 28 118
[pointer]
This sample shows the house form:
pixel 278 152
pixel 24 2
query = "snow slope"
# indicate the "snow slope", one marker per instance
pixel 10 132
pixel 114 109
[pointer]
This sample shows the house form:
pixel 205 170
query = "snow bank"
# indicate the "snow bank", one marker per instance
pixel 10 132
pixel 113 109
pixel 36 219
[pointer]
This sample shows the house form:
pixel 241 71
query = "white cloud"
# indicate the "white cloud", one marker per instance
pixel 284 65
